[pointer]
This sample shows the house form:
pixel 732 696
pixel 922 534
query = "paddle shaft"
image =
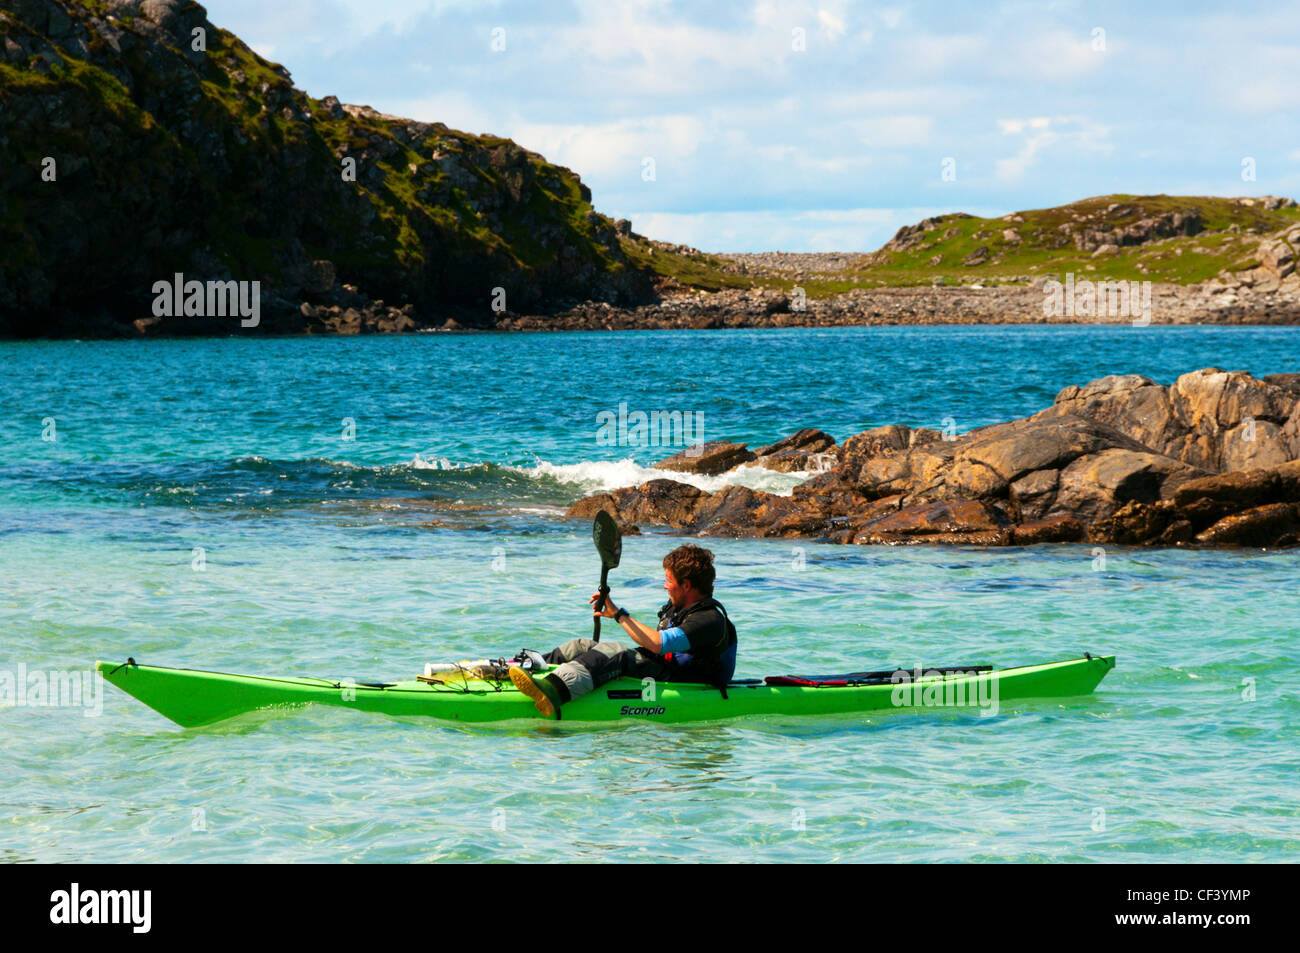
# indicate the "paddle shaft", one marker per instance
pixel 600 603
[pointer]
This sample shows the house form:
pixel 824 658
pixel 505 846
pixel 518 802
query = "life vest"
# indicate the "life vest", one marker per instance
pixel 714 665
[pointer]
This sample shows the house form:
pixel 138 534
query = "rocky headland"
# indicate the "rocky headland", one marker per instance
pixel 1213 459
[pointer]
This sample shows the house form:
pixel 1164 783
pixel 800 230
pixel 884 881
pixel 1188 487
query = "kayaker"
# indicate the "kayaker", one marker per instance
pixel 693 642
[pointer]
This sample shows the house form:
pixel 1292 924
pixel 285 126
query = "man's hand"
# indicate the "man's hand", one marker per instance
pixel 610 609
pixel 642 635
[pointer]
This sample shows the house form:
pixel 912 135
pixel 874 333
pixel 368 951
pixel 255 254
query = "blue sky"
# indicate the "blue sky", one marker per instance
pixel 761 146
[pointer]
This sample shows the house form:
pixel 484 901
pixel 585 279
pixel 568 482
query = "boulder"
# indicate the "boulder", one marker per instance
pixel 711 458
pixel 791 461
pixel 809 439
pixel 1134 405
pixel 947 518
pixel 988 460
pixel 1253 444
pixel 917 474
pixel 1274 524
pixel 1031 496
pixel 1207 403
pixel 1276 257
pixel 1212 419
pixel 1133 523
pixel 1209 499
pixel 981 464
pixel 1093 487
pixel 659 502
pixel 870 445
pixel 806 449
pixel 739 511
pixel 1290 434
pixel 1053 529
pixel 1288 382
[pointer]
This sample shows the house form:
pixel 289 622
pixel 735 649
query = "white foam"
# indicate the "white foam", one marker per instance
pixel 597 476
pixel 436 463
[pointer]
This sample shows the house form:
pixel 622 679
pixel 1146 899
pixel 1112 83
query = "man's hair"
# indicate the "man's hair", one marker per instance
pixel 692 564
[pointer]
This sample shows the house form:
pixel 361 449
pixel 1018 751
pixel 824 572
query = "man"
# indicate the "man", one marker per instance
pixel 693 642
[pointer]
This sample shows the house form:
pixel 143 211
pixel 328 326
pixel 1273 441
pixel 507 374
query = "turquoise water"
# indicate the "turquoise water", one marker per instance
pixel 438 533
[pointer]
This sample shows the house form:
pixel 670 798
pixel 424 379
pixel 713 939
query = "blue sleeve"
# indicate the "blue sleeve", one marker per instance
pixel 673 640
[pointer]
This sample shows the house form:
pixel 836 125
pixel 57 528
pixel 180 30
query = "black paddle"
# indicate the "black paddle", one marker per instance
pixel 609 543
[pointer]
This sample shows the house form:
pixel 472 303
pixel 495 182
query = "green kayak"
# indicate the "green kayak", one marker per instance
pixel 193 698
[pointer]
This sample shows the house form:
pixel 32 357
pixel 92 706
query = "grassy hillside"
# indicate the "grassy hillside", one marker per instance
pixel 959 249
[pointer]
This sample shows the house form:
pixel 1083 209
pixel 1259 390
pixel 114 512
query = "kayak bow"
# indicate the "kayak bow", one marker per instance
pixel 193 698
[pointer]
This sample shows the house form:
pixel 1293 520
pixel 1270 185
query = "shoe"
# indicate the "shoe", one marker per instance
pixel 545 698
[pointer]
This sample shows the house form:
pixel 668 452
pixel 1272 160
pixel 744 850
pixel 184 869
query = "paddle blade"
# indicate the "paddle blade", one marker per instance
pixel 609 541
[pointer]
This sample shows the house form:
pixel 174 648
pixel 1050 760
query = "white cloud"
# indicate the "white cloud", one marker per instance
pixel 617 149
pixel 1013 127
pixel 1041 133
pixel 656 54
pixel 832 25
pixel 1013 169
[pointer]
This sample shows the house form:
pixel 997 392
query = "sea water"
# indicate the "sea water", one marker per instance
pixel 361 506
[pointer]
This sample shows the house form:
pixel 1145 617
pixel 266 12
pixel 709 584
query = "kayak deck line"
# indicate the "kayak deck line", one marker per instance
pixel 194 697
pixel 336 684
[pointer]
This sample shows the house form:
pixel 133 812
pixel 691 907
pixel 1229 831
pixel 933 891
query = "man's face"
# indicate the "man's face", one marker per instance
pixel 678 592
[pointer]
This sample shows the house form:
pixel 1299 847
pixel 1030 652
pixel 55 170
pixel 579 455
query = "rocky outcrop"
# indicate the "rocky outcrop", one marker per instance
pixel 1187 222
pixel 910 236
pixel 1117 460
